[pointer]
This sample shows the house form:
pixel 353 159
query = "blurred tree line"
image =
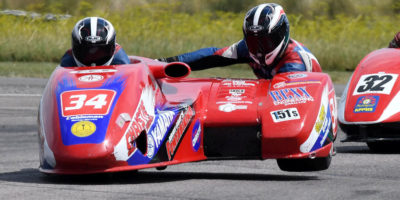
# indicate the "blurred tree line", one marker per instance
pixel 306 8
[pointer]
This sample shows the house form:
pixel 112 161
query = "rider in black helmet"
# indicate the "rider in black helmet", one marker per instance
pixel 395 43
pixel 266 47
pixel 93 44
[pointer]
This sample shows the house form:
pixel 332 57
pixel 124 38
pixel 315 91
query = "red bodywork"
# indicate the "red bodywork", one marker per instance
pixel 148 114
pixel 372 94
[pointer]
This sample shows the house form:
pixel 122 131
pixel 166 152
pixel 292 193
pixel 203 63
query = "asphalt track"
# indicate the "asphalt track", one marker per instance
pixel 355 172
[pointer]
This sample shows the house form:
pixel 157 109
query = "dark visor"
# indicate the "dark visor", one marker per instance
pixel 97 54
pixel 262 45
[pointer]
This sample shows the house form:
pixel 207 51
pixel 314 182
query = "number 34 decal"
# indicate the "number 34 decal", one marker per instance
pixel 86 102
pixel 375 83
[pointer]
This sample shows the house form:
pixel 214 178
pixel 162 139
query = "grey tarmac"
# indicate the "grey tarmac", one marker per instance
pixel 355 172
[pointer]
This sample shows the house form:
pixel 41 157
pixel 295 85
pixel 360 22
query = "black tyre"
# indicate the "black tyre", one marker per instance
pixel 384 146
pixel 305 164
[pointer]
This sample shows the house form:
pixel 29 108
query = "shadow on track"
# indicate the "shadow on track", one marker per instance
pixel 353 149
pixel 365 150
pixel 141 177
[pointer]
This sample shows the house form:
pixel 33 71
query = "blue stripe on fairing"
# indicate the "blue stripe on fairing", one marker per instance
pixel 138 158
pixel 323 134
pixel 116 84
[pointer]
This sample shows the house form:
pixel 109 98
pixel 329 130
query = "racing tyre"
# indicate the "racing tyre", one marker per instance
pixel 384 146
pixel 305 164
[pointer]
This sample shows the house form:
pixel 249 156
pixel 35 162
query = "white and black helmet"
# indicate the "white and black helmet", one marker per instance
pixel 93 42
pixel 266 32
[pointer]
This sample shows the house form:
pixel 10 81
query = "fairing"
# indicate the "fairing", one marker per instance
pixel 372 94
pixel 142 115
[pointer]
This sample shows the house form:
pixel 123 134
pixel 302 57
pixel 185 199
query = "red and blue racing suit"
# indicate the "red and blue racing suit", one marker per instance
pixel 296 58
pixel 120 57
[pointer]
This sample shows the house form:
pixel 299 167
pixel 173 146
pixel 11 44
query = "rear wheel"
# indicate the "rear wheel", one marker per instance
pixel 384 146
pixel 304 164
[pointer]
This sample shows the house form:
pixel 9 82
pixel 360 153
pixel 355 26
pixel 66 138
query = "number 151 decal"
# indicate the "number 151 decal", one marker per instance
pixel 285 115
pixel 86 102
pixel 375 83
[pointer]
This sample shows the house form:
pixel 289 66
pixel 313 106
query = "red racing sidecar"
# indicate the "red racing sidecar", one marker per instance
pixel 369 108
pixel 148 114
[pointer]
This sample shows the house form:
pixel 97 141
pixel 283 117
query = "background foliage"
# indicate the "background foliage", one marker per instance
pixel 338 32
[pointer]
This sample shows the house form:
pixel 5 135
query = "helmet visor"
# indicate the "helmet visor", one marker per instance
pixel 261 45
pixel 94 54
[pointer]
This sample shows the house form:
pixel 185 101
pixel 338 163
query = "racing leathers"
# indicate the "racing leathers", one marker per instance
pixel 296 58
pixel 119 58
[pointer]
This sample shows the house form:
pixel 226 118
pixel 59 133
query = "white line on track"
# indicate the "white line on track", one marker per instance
pixel 20 95
pixel 19 108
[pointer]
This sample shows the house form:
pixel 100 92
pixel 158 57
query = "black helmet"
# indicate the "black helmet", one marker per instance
pixel 93 42
pixel 266 32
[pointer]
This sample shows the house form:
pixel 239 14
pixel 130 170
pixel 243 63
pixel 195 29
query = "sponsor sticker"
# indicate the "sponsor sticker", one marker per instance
pixel 293 83
pixel 291 96
pixel 164 121
pixel 84 118
pixel 366 104
pixel 297 75
pixel 234 98
pixel 255 28
pixel 93 71
pixel 91 78
pixel 142 120
pixel 302 82
pixel 279 85
pixel 196 136
pixel 229 107
pixel 285 115
pixel 83 128
pixel 237 92
pixel 150 146
pixel 93 39
pixel 320 120
pixel 238 83
pixel 122 118
pixel 178 131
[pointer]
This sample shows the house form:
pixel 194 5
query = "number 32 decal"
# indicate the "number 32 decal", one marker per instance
pixel 86 102
pixel 375 83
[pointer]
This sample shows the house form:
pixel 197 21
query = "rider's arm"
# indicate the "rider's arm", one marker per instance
pixel 213 57
pixel 120 57
pixel 298 58
pixel 67 60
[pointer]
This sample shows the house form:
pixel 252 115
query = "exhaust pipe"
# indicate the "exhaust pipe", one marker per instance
pixel 176 70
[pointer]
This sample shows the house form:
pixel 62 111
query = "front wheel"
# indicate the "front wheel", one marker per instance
pixel 304 164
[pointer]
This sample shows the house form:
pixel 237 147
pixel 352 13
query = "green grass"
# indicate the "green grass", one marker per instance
pixel 157 30
pixel 44 69
pixel 27 69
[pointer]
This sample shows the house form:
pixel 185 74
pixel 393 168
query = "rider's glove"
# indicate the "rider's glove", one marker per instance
pixel 169 59
pixel 395 43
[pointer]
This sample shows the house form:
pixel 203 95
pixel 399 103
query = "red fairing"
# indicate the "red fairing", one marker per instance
pixel 147 114
pixel 312 99
pixel 372 93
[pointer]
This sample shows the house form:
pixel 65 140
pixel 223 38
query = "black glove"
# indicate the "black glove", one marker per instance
pixel 169 59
